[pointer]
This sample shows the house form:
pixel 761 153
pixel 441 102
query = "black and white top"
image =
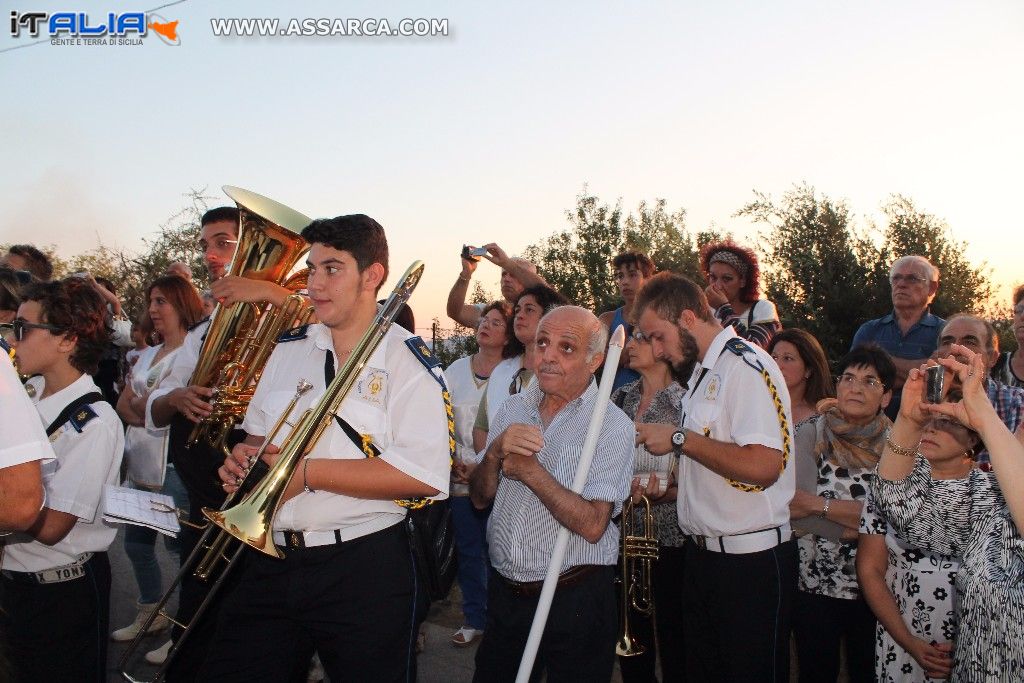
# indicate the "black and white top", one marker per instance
pixel 968 519
pixel 665 408
pixel 521 531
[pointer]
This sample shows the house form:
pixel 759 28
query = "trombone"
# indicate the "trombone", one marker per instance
pixel 209 551
pixel 639 550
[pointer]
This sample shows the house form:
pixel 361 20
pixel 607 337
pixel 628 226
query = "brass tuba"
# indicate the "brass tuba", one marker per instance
pixel 242 336
pixel 639 549
pixel 251 520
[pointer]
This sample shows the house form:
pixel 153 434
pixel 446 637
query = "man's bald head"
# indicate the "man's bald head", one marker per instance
pixel 511 287
pixel 570 345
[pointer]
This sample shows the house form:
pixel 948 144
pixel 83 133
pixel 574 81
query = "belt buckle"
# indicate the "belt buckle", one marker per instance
pixel 295 539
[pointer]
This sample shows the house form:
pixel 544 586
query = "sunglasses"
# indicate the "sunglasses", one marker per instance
pixel 18 327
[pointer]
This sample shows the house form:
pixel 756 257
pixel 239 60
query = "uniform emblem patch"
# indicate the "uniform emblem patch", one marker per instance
pixel 714 385
pixel 372 386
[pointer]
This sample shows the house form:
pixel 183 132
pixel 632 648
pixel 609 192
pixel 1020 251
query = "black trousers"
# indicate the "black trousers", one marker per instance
pixel 57 632
pixel 737 613
pixel 355 603
pixel 819 624
pixel 578 642
pixel 667 589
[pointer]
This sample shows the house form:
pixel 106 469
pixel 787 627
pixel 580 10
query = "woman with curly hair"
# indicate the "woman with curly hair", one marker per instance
pixel 733 291
pixel 56 576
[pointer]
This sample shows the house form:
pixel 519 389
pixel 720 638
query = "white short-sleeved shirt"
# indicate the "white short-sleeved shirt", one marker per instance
pixel 86 462
pixel 24 437
pixel 395 400
pixel 181 370
pixel 732 403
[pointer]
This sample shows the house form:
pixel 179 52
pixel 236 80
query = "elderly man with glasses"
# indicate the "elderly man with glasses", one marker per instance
pixel 910 333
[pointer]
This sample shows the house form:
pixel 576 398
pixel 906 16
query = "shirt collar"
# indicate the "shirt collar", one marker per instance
pixel 51 406
pixel 717 346
pixel 532 396
pixel 321 337
pixel 928 320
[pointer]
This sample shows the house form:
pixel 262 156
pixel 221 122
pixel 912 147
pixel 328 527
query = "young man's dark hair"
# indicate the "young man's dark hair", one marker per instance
pixel 669 295
pixel 636 259
pixel 36 262
pixel 221 213
pixel 76 310
pixel 358 234
pixel 870 356
pixel 10 290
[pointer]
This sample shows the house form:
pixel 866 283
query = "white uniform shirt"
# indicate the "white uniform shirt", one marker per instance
pixel 732 404
pixel 24 438
pixel 395 400
pixel 86 462
pixel 182 369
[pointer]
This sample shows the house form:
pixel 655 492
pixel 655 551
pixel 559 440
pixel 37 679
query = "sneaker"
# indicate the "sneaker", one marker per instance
pixel 159 655
pixel 316 673
pixel 466 635
pixel 123 635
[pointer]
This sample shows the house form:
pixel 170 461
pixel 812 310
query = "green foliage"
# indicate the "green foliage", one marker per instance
pixel 827 277
pixel 450 344
pixel 577 261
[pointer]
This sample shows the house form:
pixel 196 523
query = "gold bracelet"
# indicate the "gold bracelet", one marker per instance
pixel 900 450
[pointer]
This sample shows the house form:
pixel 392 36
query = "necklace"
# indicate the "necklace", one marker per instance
pixel 478 380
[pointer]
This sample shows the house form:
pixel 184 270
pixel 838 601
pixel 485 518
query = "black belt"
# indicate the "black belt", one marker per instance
pixel 570 577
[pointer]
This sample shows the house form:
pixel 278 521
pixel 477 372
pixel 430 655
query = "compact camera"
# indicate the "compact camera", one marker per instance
pixel 473 253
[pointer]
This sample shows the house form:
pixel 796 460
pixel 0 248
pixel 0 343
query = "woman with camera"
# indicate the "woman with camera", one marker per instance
pixel 977 519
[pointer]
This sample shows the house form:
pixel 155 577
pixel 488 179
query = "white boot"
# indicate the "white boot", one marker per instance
pixel 129 632
pixel 158 655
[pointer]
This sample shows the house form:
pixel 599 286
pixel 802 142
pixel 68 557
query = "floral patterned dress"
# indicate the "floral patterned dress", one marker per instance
pixel 968 518
pixel 922 583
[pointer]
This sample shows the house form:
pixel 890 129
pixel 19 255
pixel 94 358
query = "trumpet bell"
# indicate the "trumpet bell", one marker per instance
pixel 627 646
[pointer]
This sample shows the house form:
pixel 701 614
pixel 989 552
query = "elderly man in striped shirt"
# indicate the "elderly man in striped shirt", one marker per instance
pixel 535 443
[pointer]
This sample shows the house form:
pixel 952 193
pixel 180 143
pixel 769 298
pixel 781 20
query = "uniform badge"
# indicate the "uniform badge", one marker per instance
pixel 714 385
pixel 372 386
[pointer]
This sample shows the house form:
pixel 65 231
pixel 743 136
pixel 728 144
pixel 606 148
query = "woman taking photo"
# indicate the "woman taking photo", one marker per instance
pixel 803 365
pixel 656 398
pixel 55 597
pixel 467 378
pixel 174 306
pixel 910 590
pixel 847 440
pixel 733 292
pixel 977 519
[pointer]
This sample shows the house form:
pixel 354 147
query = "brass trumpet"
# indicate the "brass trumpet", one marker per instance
pixel 639 550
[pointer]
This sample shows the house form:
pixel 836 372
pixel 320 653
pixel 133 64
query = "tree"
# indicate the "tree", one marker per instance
pixel 814 268
pixel 577 261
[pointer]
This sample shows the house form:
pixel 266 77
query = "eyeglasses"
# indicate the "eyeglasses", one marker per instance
pixel 1018 309
pixel 491 322
pixel 639 337
pixel 909 279
pixel 848 380
pixel 19 325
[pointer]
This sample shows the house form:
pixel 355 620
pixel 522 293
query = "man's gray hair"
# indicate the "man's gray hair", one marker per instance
pixel 928 269
pixel 991 336
pixel 598 341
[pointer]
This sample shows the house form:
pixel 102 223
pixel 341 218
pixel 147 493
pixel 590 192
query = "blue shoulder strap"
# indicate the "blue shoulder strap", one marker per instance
pixel 293 334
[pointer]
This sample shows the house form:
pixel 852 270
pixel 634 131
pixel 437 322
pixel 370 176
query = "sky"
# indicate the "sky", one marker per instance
pixel 490 133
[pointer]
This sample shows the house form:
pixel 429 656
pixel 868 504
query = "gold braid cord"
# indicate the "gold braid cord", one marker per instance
pixel 780 410
pixel 372 451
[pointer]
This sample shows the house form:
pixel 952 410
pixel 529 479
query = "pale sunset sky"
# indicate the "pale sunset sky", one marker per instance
pixel 489 133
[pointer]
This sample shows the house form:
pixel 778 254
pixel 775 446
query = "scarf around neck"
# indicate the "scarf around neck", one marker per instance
pixel 848 445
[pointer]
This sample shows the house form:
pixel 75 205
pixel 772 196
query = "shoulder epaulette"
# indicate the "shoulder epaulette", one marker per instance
pixel 743 350
pixel 293 334
pixel 82 417
pixel 204 320
pixel 422 352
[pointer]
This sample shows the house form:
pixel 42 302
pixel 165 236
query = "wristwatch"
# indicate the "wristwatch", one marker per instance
pixel 678 440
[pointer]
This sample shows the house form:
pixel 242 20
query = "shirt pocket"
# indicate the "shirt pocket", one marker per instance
pixel 702 417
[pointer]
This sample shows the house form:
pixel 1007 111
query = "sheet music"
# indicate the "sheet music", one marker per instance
pixel 123 505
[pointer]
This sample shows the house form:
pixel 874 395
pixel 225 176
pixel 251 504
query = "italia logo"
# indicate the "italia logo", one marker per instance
pixel 79 25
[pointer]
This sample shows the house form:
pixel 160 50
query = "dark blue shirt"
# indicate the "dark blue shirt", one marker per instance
pixel 920 341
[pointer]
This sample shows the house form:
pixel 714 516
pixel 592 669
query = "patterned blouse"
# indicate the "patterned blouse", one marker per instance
pixel 968 519
pixel 665 408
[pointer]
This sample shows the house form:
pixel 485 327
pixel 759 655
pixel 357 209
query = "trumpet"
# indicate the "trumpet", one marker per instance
pixel 639 550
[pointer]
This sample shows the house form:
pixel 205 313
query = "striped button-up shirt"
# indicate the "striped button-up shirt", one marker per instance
pixel 521 531
pixel 1009 404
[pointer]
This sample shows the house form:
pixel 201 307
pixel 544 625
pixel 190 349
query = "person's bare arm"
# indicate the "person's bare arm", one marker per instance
pixel 751 464
pixel 21 495
pixel 872 562
pixel 526 277
pixel 233 288
pixel 457 308
pixel 127 409
pixel 51 526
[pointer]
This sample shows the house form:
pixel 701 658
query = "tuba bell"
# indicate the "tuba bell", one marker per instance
pixel 241 336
